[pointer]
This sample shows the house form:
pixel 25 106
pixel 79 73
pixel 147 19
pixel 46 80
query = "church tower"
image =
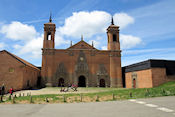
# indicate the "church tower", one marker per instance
pixel 115 55
pixel 47 52
pixel 49 35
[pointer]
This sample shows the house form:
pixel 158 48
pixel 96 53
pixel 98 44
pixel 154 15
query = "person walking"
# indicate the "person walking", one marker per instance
pixel 2 90
pixel 11 91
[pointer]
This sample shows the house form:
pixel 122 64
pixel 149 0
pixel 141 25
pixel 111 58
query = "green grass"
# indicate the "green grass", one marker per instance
pixel 167 89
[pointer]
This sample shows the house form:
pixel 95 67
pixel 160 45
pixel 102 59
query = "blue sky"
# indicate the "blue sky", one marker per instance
pixel 147 28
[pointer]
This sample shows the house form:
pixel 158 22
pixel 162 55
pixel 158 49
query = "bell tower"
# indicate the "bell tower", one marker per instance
pixel 113 37
pixel 48 47
pixel 49 35
pixel 115 55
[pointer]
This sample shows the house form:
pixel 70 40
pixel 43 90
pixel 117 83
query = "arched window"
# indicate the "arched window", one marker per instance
pixel 114 37
pixel 49 36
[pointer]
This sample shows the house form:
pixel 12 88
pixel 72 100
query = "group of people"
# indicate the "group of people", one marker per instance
pixel 2 90
pixel 66 89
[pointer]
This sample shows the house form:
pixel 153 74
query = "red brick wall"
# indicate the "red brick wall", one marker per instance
pixel 50 63
pixel 158 76
pixel 144 79
pixel 30 74
pixel 14 79
pixel 17 79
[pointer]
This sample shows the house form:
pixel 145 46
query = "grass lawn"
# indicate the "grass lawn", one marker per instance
pixel 96 94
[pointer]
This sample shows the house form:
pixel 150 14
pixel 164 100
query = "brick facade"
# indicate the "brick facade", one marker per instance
pixel 81 64
pixel 149 73
pixel 16 72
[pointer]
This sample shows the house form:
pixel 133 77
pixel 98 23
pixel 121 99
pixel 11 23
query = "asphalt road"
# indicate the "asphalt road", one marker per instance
pixel 153 107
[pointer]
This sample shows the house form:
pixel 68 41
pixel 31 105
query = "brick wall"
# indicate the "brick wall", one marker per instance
pixel 143 80
pixel 15 74
pixel 10 79
pixel 158 76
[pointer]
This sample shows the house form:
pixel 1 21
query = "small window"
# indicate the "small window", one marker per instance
pixel 11 70
pixel 49 36
pixel 114 37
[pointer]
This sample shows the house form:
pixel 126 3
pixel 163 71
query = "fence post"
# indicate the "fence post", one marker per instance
pixel 47 99
pixel 9 97
pixel 31 99
pixel 81 98
pixel 13 99
pixel 64 98
pixel 113 97
pixel 1 98
pixel 130 94
pixel 97 98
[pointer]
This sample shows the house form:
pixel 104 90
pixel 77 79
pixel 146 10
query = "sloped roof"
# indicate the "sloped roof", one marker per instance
pixel 152 63
pixel 20 60
pixel 81 45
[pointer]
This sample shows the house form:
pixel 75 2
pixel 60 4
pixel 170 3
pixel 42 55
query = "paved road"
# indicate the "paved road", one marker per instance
pixel 153 107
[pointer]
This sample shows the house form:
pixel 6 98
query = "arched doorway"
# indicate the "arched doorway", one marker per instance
pixel 61 82
pixel 102 83
pixel 134 83
pixel 81 81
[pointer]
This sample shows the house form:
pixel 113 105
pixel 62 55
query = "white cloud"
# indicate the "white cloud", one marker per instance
pixel 33 46
pixel 96 42
pixel 123 19
pixel 16 46
pixel 129 41
pixel 86 23
pixel 2 45
pixel 91 23
pixel 18 31
pixel 59 40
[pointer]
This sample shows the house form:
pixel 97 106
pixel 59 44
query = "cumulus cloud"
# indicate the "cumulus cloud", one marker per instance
pixel 18 31
pixel 33 46
pixel 129 41
pixel 27 34
pixel 59 40
pixel 86 23
pixel 123 19
pixel 90 23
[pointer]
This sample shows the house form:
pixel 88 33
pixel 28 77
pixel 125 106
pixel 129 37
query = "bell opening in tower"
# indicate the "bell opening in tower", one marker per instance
pixel 49 36
pixel 114 37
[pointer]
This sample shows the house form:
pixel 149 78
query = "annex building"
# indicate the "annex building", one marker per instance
pixel 148 74
pixel 81 64
pixel 17 73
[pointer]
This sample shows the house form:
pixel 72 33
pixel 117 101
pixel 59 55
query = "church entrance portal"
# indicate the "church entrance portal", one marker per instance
pixel 102 83
pixel 61 82
pixel 81 81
